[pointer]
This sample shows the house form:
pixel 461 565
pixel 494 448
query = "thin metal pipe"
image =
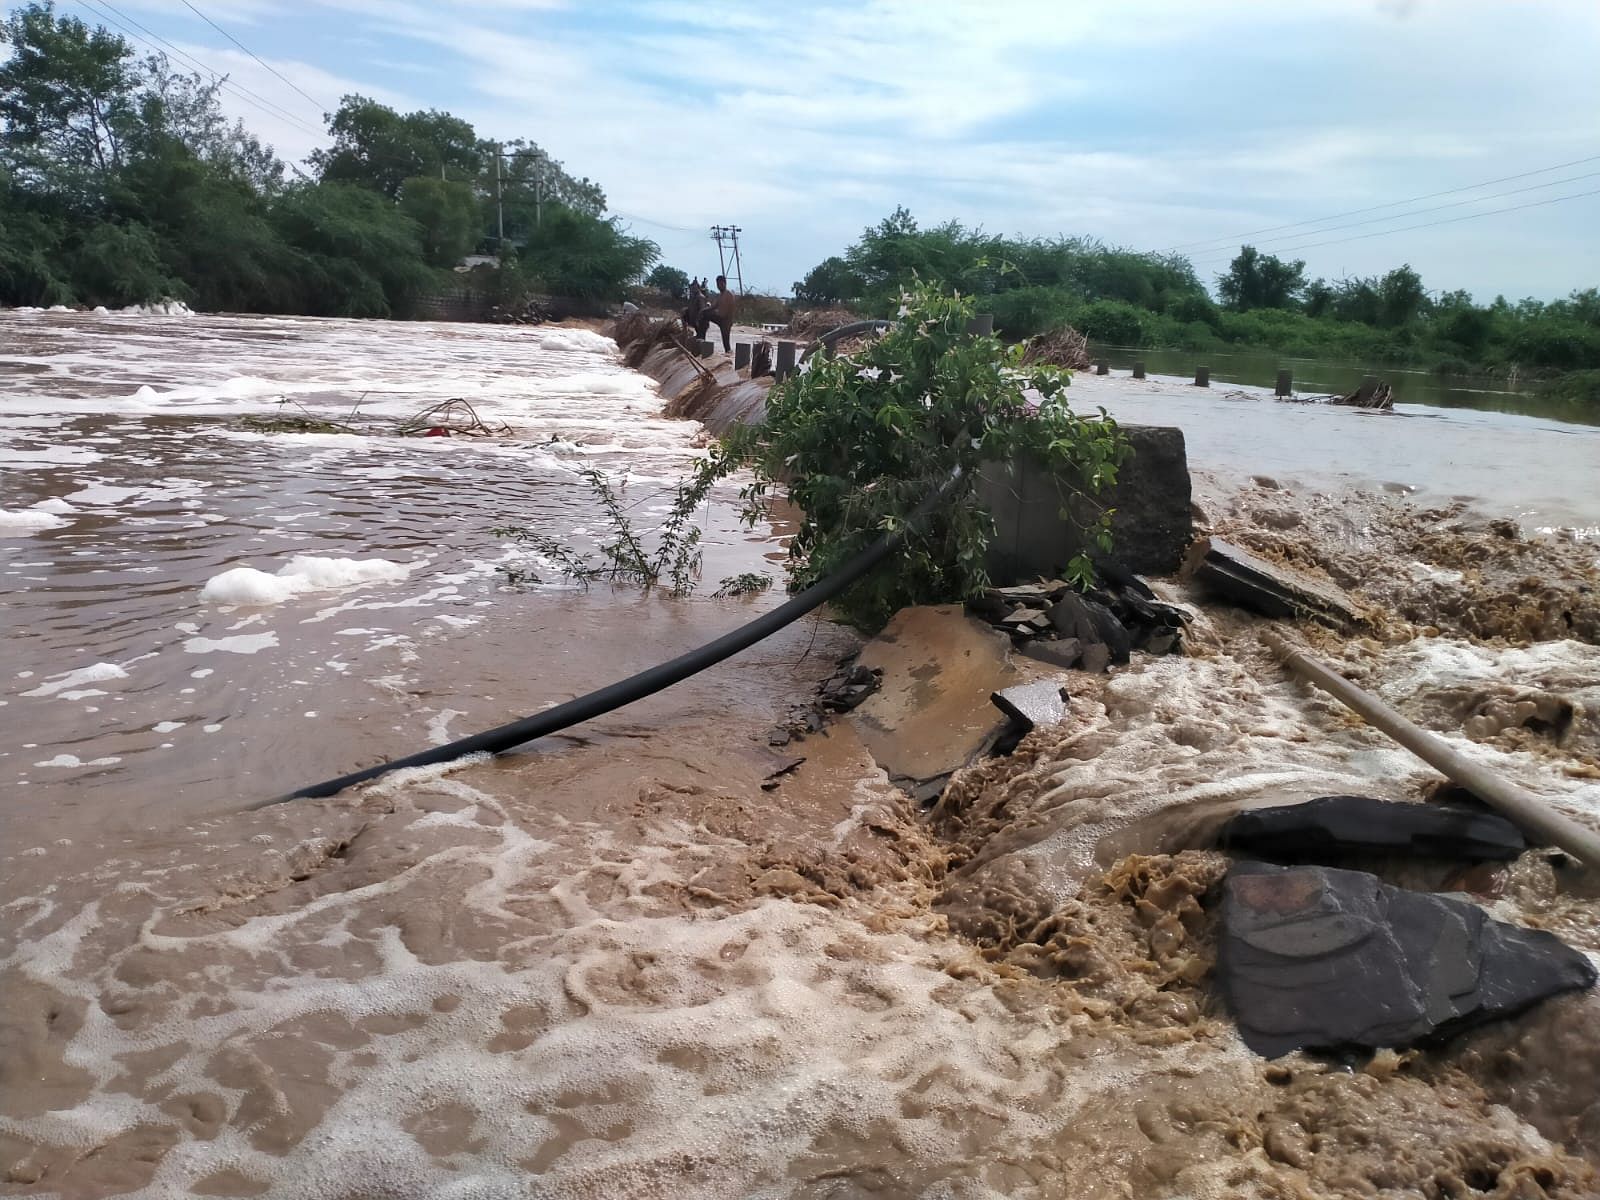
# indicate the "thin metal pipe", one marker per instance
pixel 1529 812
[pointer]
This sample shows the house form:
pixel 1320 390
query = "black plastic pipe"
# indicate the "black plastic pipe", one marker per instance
pixel 645 683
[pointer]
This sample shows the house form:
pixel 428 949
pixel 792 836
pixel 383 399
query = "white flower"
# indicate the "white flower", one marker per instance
pixel 872 373
pixel 904 311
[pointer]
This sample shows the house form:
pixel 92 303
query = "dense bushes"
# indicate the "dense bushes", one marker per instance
pixel 1124 297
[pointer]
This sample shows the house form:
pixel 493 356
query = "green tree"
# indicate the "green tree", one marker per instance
pixel 574 254
pixel 670 280
pixel 832 281
pixel 66 99
pixel 376 147
pixel 446 214
pixel 1401 297
pixel 1256 280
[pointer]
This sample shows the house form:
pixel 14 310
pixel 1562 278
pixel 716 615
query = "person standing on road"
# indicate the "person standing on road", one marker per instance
pixel 722 311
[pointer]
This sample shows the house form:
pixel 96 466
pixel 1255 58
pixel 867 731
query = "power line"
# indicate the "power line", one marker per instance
pixel 1417 212
pixel 1430 224
pixel 656 224
pixel 1355 212
pixel 221 80
pixel 320 107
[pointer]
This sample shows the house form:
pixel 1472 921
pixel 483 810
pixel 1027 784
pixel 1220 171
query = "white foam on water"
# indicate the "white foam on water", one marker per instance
pixel 243 643
pixel 585 340
pixel 69 681
pixel 72 760
pixel 303 573
pixel 21 522
pixel 48 456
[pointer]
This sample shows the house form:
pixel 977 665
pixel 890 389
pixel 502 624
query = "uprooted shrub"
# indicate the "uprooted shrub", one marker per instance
pixel 856 443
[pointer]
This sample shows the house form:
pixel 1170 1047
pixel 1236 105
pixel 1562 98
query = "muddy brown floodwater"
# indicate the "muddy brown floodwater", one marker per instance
pixel 633 961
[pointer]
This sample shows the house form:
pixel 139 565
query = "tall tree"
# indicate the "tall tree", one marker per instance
pixel 66 98
pixel 1256 280
pixel 376 147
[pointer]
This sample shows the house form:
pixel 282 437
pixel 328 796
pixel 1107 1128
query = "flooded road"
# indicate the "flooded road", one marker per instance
pixel 1538 471
pixel 659 957
pixel 132 479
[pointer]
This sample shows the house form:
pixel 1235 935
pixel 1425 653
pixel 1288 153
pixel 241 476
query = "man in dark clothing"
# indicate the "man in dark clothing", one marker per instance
pixel 722 311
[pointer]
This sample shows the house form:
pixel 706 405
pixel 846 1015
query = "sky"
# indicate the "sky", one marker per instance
pixel 1153 124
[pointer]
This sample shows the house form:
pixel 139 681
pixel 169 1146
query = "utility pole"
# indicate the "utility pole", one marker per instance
pixel 729 234
pixel 499 208
pixel 716 236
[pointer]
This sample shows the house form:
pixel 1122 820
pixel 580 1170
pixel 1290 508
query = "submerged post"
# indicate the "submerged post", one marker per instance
pixel 1138 370
pixel 1101 367
pixel 1202 377
pixel 785 364
pixel 741 356
pixel 1285 384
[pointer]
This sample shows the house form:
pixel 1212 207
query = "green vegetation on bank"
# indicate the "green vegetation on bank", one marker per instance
pixel 121 182
pixel 1130 298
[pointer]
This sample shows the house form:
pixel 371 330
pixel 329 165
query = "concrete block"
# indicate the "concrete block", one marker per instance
pixel 786 358
pixel 741 356
pixel 1202 377
pixel 1151 529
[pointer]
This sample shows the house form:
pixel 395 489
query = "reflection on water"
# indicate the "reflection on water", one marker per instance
pixel 1314 376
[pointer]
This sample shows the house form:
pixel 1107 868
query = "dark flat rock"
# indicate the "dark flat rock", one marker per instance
pixel 1271 589
pixel 1061 652
pixel 1333 825
pixel 1316 958
pixel 1031 705
pixel 1090 621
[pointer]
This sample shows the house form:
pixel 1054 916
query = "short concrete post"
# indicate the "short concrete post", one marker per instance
pixel 785 364
pixel 1285 384
pixel 1100 367
pixel 1138 370
pixel 703 348
pixel 981 325
pixel 741 356
pixel 1202 377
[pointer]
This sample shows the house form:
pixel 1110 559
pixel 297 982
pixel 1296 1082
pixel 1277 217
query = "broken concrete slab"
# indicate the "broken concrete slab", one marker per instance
pixel 1060 652
pixel 1031 705
pixel 1091 622
pixel 1335 825
pixel 932 714
pixel 1270 589
pixel 1317 958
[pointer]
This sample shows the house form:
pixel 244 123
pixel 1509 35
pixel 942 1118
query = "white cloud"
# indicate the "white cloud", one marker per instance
pixel 1144 122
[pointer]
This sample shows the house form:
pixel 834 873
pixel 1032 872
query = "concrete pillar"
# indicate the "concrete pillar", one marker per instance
pixel 741 355
pixel 1202 377
pixel 1285 384
pixel 703 348
pixel 1101 368
pixel 1138 370
pixel 785 363
pixel 981 325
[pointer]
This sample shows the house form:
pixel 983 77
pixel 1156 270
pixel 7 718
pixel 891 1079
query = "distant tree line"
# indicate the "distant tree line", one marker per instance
pixel 121 182
pixel 1133 298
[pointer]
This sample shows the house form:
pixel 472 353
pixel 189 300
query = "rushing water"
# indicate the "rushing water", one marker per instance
pixel 131 480
pixel 1315 376
pixel 658 958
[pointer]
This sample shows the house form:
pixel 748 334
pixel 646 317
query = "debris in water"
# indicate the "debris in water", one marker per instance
pixel 1031 705
pixel 1270 588
pixel 1317 958
pixel 1355 824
